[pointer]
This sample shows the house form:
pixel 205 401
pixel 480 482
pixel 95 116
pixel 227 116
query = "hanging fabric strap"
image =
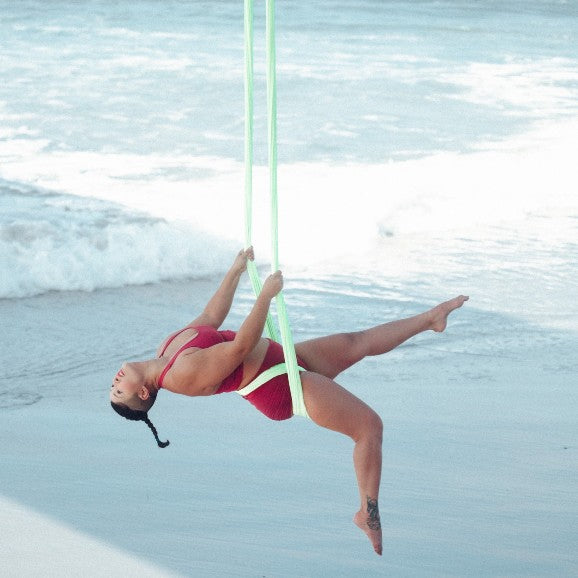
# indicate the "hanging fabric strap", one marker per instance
pixel 264 377
pixel 270 327
pixel 286 335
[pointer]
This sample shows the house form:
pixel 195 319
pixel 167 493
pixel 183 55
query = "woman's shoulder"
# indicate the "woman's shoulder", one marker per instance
pixel 200 336
pixel 162 349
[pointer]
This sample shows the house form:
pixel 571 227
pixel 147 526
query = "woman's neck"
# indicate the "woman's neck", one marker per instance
pixel 150 371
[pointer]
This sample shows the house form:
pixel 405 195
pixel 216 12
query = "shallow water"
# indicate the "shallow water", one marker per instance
pixel 437 136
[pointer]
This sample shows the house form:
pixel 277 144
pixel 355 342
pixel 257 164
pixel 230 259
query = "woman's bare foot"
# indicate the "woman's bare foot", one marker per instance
pixel 370 523
pixel 439 314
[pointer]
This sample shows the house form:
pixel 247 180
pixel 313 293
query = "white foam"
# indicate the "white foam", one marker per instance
pixel 540 86
pixel 325 211
pixel 57 242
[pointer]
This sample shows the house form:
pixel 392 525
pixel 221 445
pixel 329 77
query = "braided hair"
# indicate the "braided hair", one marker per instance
pixel 136 415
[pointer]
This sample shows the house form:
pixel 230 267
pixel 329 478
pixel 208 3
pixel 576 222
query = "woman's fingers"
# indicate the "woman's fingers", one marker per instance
pixel 242 256
pixel 274 283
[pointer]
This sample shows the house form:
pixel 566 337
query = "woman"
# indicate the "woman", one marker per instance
pixel 200 360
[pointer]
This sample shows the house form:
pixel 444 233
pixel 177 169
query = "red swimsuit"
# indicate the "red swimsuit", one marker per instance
pixel 207 336
pixel 272 399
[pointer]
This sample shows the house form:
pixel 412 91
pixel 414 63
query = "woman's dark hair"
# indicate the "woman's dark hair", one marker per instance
pixel 136 415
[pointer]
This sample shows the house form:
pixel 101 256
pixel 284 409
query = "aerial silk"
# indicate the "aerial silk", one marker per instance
pixel 286 338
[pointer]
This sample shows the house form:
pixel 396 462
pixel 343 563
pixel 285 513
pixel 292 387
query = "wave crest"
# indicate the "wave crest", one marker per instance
pixel 52 241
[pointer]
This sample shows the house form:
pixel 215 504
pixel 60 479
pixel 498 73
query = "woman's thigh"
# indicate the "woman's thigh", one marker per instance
pixel 331 355
pixel 333 407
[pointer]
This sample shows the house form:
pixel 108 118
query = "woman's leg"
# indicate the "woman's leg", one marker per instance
pixel 333 354
pixel 333 407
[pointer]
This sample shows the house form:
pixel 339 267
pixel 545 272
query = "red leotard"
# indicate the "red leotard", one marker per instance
pixel 207 336
pixel 272 399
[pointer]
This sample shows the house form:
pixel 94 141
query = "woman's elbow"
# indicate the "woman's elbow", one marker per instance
pixel 240 348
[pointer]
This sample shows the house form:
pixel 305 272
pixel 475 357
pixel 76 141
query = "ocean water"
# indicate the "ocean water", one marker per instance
pixel 418 141
pixel 426 148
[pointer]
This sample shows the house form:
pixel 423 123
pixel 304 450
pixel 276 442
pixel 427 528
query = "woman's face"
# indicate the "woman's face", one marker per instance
pixel 126 385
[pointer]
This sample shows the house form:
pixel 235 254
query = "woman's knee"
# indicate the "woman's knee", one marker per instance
pixel 376 425
pixel 371 428
pixel 354 346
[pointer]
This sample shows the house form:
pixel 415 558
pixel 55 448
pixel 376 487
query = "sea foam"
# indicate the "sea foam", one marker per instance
pixel 52 241
pixel 131 219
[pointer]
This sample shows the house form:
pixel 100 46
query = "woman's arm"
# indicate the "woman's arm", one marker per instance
pixel 220 303
pixel 201 372
pixel 251 329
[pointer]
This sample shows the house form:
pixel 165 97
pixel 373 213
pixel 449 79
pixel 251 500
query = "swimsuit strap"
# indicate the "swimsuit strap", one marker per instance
pixel 187 345
pixel 204 338
pixel 170 340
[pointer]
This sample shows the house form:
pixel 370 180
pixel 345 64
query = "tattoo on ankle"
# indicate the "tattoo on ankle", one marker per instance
pixel 373 520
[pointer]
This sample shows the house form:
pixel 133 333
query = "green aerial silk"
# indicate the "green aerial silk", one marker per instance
pixel 286 335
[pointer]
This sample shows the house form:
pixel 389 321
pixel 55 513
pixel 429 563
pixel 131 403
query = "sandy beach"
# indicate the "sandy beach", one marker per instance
pixel 479 454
